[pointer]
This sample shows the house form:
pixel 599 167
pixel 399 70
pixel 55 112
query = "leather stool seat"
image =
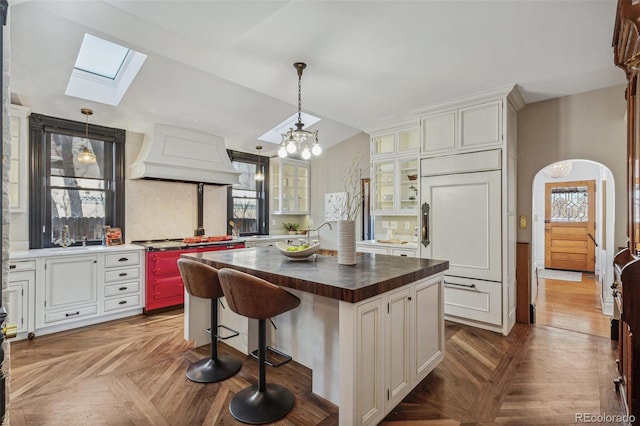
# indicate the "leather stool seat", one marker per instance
pixel 202 281
pixel 256 298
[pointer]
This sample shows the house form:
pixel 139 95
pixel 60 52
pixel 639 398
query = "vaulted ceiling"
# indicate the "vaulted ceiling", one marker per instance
pixel 225 67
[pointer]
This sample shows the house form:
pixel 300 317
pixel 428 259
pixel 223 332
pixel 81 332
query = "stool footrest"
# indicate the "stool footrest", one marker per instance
pixel 233 332
pixel 286 357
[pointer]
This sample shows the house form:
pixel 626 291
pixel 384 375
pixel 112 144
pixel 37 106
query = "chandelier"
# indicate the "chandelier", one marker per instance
pixel 84 155
pixel 559 170
pixel 299 138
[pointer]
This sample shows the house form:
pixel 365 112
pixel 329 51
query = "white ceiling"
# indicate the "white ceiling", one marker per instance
pixel 226 67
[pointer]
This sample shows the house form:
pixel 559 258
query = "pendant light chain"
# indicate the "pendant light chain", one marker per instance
pixel 299 95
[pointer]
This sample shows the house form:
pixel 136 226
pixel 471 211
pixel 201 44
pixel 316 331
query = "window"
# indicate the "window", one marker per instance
pixel 103 71
pixel 247 204
pixel 64 191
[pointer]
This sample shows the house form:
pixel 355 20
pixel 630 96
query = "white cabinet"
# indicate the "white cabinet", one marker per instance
pixel 394 165
pixel 289 186
pixel 395 142
pixel 70 289
pixel 371 247
pixel 16 296
pixel 122 281
pixel 395 186
pixel 470 127
pixel 18 122
pixel 60 289
pixel 400 340
pixel 468 199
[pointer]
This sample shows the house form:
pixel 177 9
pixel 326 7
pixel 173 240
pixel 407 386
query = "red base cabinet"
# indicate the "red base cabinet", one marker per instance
pixel 164 286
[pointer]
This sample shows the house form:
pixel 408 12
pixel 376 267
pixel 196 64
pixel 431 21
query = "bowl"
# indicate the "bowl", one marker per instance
pixel 412 177
pixel 299 253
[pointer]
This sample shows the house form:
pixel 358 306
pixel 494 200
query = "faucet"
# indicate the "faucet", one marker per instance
pixel 64 241
pixel 317 230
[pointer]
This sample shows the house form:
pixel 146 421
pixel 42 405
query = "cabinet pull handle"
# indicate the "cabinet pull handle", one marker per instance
pixel 425 224
pixel 122 288
pixel 473 286
pixel 403 255
pixel 122 274
pixel 72 314
pixel 123 259
pixel 12 266
pixel 122 302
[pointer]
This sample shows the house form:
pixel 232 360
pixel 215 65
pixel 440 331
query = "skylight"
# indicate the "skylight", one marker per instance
pixel 103 71
pixel 101 57
pixel 275 135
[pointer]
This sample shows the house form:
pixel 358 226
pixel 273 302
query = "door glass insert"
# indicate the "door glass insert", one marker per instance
pixel 569 204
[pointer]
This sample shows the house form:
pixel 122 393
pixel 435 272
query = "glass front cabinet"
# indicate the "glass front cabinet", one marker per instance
pixel 394 164
pixel 395 186
pixel 289 186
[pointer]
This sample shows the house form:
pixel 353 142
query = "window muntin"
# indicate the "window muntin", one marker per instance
pixel 101 57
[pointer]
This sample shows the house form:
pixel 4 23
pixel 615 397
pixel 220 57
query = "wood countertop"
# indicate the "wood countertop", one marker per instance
pixel 373 274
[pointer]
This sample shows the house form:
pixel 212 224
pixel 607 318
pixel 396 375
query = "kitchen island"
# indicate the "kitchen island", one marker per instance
pixel 369 332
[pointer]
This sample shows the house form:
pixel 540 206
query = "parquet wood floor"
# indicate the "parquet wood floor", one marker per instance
pixel 131 372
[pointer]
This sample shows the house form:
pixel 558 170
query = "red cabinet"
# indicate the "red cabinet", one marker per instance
pixel 164 286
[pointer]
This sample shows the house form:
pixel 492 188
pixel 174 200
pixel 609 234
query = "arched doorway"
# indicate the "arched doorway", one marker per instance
pixel 571 171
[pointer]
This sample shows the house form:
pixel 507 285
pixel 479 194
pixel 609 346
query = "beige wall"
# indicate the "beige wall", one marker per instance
pixel 588 126
pixel 327 173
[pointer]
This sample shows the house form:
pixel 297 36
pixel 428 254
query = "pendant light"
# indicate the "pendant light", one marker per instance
pixel 259 175
pixel 84 155
pixel 299 138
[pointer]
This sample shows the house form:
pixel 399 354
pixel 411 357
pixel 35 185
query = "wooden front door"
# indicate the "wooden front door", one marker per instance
pixel 570 225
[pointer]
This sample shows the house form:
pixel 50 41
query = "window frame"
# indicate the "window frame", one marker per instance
pixel 262 188
pixel 39 179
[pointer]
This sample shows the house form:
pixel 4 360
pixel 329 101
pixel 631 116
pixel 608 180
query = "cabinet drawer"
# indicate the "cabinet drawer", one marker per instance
pixel 122 259
pixel 369 249
pixel 473 299
pixel 404 252
pixel 122 302
pixel 70 314
pixel 122 274
pixel 23 265
pixel 124 288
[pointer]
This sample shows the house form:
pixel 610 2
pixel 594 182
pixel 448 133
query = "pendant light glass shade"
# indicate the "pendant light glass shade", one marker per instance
pixel 84 155
pixel 259 175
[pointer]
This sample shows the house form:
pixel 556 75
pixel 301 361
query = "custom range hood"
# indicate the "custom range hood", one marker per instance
pixel 176 154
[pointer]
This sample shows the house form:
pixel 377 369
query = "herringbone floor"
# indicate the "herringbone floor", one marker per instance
pixel 131 372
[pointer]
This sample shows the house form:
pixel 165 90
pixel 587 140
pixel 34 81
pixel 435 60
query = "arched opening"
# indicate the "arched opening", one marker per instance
pixel 604 202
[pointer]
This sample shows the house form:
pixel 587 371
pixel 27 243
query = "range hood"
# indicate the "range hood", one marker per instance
pixel 176 154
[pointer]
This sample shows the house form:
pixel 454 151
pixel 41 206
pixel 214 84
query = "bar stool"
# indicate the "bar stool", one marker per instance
pixel 255 298
pixel 202 281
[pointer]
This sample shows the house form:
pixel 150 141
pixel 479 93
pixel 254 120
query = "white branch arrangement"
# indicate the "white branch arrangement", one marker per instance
pixel 352 201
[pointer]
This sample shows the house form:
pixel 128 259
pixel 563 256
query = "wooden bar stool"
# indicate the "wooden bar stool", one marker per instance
pixel 202 281
pixel 255 298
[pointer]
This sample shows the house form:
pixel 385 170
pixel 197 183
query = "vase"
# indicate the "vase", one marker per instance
pixel 347 242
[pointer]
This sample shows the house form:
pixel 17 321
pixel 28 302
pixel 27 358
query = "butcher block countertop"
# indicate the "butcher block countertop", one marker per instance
pixel 370 276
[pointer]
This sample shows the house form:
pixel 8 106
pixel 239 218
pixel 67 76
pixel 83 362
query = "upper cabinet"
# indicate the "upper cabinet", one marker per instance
pixel 463 129
pixel 394 155
pixel 395 142
pixel 289 186
pixel 18 121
